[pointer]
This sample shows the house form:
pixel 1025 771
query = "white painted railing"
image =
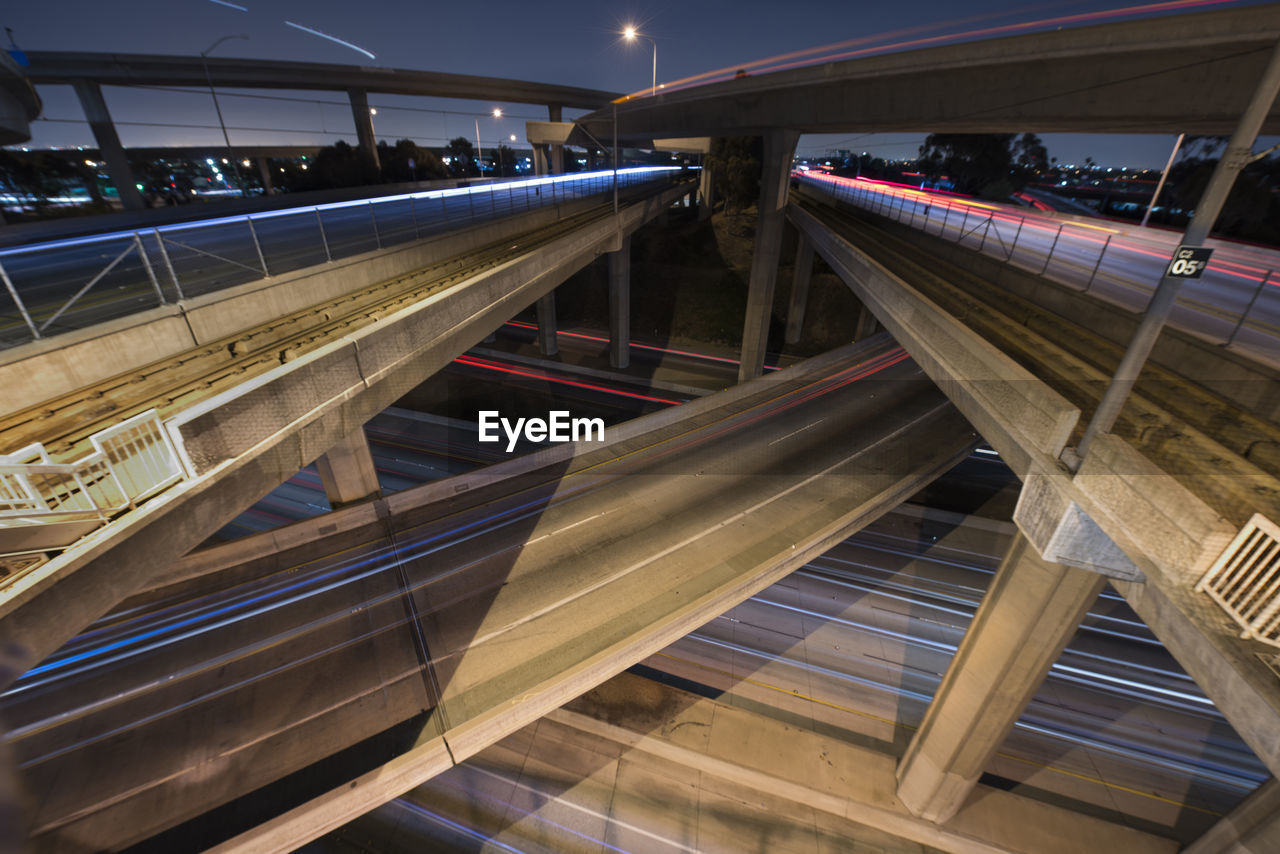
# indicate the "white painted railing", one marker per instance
pixel 1245 580
pixel 131 461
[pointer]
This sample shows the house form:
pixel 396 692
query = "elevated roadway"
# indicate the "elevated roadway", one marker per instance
pixel 1186 73
pixel 1180 475
pixel 143 69
pixel 526 583
pixel 255 407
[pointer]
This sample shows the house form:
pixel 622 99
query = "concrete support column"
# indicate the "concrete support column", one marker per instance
pixel 620 305
pixel 1030 612
pixel 867 324
pixel 364 123
pixel 800 288
pixel 1253 827
pixel 557 151
pixel 539 158
pixel 779 146
pixel 104 132
pixel 347 471
pixel 264 172
pixel 706 193
pixel 546 309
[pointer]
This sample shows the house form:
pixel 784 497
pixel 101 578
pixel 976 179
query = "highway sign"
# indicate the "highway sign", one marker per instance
pixel 1188 262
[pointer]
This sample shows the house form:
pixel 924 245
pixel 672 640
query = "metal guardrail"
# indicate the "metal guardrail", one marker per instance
pixel 131 461
pixel 1245 580
pixel 68 284
pixel 1236 304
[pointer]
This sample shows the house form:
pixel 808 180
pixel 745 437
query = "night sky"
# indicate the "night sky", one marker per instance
pixel 570 43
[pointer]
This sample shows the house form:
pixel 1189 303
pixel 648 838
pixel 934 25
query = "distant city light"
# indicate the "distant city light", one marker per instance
pixel 244 163
pixel 513 137
pixel 497 112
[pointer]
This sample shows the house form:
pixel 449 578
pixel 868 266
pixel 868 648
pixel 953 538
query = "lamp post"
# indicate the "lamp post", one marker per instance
pixel 497 114
pixel 204 60
pixel 631 34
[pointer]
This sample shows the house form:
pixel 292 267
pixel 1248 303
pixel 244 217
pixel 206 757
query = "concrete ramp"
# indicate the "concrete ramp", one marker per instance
pixel 525 587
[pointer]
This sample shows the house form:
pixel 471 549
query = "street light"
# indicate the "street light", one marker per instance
pixel 497 114
pixel 631 34
pixel 204 60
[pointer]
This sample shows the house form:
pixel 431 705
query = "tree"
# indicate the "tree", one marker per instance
pixel 991 165
pixel 735 166
pixel 462 157
pixel 504 161
pixel 407 161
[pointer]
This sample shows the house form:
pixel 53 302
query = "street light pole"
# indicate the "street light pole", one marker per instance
pixel 231 155
pixel 1163 177
pixel 631 34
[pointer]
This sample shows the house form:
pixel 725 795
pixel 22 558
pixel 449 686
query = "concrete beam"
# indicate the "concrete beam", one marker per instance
pixel 1253 827
pixel 363 119
pixel 706 192
pixel 546 311
pixel 347 471
pixel 800 289
pixel 825 773
pixel 282 420
pixel 620 305
pixel 104 132
pixel 1019 415
pixel 1026 618
pixel 581 608
pixel 779 148
pixel 264 172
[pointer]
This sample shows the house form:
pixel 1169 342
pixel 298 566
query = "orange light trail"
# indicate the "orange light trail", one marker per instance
pixel 840 50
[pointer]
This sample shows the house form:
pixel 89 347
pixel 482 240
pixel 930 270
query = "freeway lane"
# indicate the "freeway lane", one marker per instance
pixel 1235 304
pixel 523 597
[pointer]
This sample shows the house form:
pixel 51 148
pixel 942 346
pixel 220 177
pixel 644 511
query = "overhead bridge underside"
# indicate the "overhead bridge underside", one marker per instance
pixel 474 606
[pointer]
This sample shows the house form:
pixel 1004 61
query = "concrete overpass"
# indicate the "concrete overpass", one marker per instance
pixel 309 379
pixel 1186 73
pixel 88 72
pixel 1123 515
pixel 521 599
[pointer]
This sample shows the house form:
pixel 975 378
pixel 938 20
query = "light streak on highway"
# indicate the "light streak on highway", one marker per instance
pixel 1236 304
pixel 893 41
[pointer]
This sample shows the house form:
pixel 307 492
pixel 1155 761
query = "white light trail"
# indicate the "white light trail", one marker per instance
pixel 334 39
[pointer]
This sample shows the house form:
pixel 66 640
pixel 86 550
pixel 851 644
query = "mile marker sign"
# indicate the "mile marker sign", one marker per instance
pixel 1188 262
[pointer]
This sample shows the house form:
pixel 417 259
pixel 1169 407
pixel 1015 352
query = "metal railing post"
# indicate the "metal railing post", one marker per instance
pixel 946 220
pixel 1052 247
pixel 983 244
pixel 1098 264
pixel 324 238
pixel 1245 314
pixel 146 264
pixel 253 232
pixel 377 238
pixel 168 263
pixel 1014 245
pixel 17 300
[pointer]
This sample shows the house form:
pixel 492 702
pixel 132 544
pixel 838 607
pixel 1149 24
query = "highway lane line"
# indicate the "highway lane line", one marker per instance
pixel 794 432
